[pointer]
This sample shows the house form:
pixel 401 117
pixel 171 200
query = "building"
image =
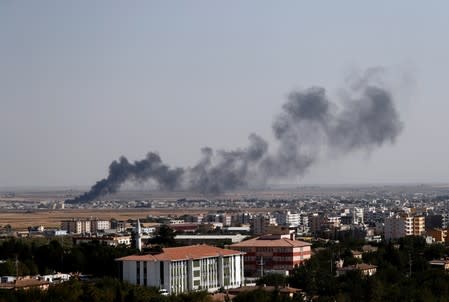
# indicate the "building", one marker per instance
pixel 187 268
pixel 184 227
pixel 419 225
pixel 261 223
pixel 82 226
pixel 223 218
pixel 394 228
pixel 438 235
pixel 99 225
pixel 54 233
pixel 288 218
pixel 209 239
pixel 365 269
pixel 76 226
pixel 404 225
pixel 357 215
pixel 316 221
pixel 440 263
pixel 272 253
pixel 25 284
pixel 111 240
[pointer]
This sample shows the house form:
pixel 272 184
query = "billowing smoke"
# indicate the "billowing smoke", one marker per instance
pixel 309 127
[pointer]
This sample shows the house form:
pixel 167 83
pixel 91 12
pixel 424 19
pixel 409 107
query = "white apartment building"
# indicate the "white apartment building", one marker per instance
pixel 76 226
pixel 292 219
pixel 288 218
pixel 187 268
pixel 357 215
pixel 99 225
pixel 82 226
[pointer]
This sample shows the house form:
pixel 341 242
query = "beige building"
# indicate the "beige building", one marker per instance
pixel 365 269
pixel 83 226
pixel 76 226
pixel 404 225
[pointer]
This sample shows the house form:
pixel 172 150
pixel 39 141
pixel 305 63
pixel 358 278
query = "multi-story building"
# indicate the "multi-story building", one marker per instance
pixel 316 221
pixel 289 219
pixel 112 240
pixel 99 225
pixel 357 215
pixel 419 225
pixel 223 218
pixel 241 218
pixel 187 268
pixel 261 223
pixel 80 226
pixel 404 225
pixel 273 253
pixel 438 235
pixel 394 228
pixel 76 226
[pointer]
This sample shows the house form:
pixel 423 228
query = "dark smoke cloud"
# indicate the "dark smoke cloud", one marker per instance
pixel 122 170
pixel 309 126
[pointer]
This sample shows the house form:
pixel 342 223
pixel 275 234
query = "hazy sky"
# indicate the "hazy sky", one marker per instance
pixel 83 82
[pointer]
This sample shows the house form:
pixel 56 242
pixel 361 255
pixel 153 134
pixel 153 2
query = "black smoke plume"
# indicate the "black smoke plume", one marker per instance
pixel 309 126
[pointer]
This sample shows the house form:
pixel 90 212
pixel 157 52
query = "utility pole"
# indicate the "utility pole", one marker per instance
pixel 17 268
pixel 410 264
pixel 332 256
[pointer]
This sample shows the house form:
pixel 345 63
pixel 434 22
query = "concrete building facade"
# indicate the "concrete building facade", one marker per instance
pixel 273 253
pixel 183 269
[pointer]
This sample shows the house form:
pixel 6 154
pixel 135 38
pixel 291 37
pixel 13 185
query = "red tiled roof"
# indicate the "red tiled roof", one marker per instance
pixel 23 283
pixel 259 242
pixel 183 253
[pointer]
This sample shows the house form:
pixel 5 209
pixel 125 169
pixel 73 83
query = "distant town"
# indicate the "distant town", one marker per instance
pixel 231 243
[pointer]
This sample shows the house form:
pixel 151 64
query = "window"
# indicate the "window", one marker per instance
pixel 138 272
pixel 161 272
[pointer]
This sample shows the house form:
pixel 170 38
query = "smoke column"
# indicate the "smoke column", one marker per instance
pixel 309 126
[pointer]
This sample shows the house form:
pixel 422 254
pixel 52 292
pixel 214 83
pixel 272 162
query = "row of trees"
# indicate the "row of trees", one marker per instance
pixel 403 274
pixel 103 290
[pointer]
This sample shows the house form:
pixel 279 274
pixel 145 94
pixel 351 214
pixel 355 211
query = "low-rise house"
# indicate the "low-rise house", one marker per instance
pixel 112 240
pixel 25 284
pixel 356 254
pixel 364 268
pixel 440 263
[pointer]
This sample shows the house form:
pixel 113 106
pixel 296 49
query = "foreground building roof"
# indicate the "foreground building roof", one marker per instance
pixel 183 253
